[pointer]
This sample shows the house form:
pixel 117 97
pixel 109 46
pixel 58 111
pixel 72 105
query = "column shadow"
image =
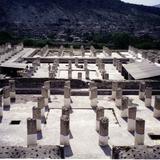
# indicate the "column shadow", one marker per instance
pixel 68 151
pixel 1 119
pixel 39 135
pixel 106 149
pixel 6 108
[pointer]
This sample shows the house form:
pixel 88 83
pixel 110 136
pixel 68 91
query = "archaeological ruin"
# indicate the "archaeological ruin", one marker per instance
pixel 79 103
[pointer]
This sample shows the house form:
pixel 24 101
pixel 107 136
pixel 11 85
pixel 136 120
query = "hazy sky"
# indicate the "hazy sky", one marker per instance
pixel 144 2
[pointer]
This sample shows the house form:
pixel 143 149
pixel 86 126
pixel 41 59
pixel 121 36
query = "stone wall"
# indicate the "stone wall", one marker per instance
pixel 136 152
pixel 40 152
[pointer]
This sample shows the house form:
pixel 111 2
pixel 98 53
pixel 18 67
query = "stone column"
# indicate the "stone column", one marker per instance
pixel 31 132
pixel 76 62
pixel 120 66
pixel 6 97
pixel 66 111
pixel 64 130
pixel 114 88
pixel 103 131
pixel 140 131
pixel 87 73
pixel 142 87
pixel 12 90
pixel 106 76
pixel 94 97
pixel 157 107
pixel 1 107
pixel 69 74
pixel 37 115
pixel 148 96
pixel 69 64
pixel 44 92
pixel 49 67
pixel 41 105
pixel 48 86
pixel 99 114
pixel 119 95
pixel 79 75
pixel 131 118
pixel 68 84
pixel 124 107
pixel 117 64
pixel 67 96
pixel 85 64
pixel 91 85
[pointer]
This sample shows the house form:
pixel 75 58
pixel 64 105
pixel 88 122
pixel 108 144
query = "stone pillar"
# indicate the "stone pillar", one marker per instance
pixel 85 64
pixel 142 87
pixel 48 86
pixel 106 76
pixel 91 85
pixel 69 74
pixel 64 130
pixel 69 64
pixel 12 90
pixel 44 92
pixel 119 95
pixel 117 64
pixel 124 107
pixel 76 62
pixel 94 97
pixel 1 107
pixel 6 97
pixel 79 75
pixel 49 67
pixel 103 131
pixel 37 115
pixel 120 66
pixel 131 118
pixel 114 88
pixel 67 96
pixel 31 132
pixel 148 96
pixel 66 111
pixel 68 84
pixel 99 114
pixel 87 73
pixel 140 131
pixel 41 105
pixel 157 107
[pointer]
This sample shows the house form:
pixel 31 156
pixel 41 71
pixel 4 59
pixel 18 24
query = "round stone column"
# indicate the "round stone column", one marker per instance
pixel 132 118
pixel 64 130
pixel 148 96
pixel 6 97
pixel 31 132
pixel 124 107
pixel 99 114
pixel 156 111
pixel 103 131
pixel 12 90
pixel 139 133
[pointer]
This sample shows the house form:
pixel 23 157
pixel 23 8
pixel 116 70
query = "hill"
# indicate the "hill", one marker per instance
pixel 43 18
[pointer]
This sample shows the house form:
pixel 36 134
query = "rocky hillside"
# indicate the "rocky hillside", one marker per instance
pixel 158 6
pixel 77 17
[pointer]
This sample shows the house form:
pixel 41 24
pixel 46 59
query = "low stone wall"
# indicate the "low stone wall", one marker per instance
pixel 39 152
pixel 80 60
pixel 136 152
pixel 33 86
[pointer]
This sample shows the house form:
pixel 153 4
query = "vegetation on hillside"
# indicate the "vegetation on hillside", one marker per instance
pixel 114 41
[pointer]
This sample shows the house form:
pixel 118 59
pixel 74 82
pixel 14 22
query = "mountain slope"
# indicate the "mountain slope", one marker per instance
pixel 158 6
pixel 45 17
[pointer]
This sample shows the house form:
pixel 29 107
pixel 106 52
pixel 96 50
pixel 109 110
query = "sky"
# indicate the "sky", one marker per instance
pixel 144 2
